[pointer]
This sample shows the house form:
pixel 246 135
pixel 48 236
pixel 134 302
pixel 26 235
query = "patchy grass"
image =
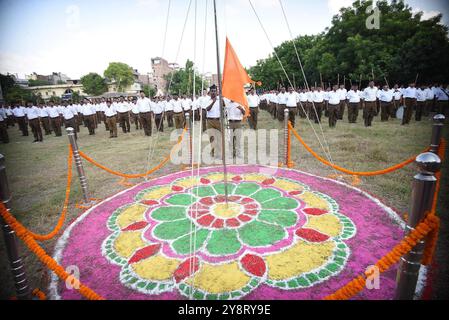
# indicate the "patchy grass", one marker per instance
pixel 37 172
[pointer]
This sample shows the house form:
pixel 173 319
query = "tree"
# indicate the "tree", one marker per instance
pixel 13 93
pixel 121 73
pixel 94 84
pixel 402 47
pixel 150 91
pixel 37 83
pixel 181 81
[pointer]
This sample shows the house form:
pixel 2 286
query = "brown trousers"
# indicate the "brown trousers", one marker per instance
pixel 385 110
pixel 169 116
pixel 280 111
pixel 56 124
pixel 214 124
pixel 135 119
pixel 90 123
pixel 333 114
pixel 353 112
pixel 369 112
pixel 341 109
pixel 123 118
pixel 292 115
pixel 46 125
pixel 408 112
pixel 147 123
pixel 71 123
pixel 318 111
pixel 159 122
pixel 179 120
pixel 420 106
pixel 112 126
pixel 252 120
pixel 36 129
pixel 22 125
pixel 4 132
pixel 236 134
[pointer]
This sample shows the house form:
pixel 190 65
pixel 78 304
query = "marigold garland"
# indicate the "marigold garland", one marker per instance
pixel 47 260
pixel 39 294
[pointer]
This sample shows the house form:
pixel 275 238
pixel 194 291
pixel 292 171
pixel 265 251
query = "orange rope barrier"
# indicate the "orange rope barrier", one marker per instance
pixel 47 260
pixel 39 294
pixel 131 176
pixel 431 222
pixel 366 174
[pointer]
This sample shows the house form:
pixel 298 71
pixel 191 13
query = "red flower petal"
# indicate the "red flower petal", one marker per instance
pixel 177 188
pixel 237 179
pixel 197 214
pixel 254 265
pixel 251 212
pixel 251 206
pixel 311 235
pixel 136 226
pixel 206 221
pixel 184 269
pixel 207 201
pixel 205 181
pixel 268 182
pixel 220 198
pixel 149 202
pixel 218 224
pixel 232 223
pixel 315 211
pixel 247 200
pixel 244 218
pixel 295 193
pixel 234 198
pixel 145 253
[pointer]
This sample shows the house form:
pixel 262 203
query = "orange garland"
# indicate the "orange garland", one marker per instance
pixel 373 173
pixel 47 260
pixel 431 222
pixel 39 294
pixel 131 176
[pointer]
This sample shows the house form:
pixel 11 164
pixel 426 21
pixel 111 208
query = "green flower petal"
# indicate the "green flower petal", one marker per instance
pixel 266 194
pixel 281 203
pixel 181 199
pixel 173 230
pixel 204 191
pixel 223 242
pixel 281 217
pixel 185 244
pixel 260 234
pixel 220 188
pixel 246 189
pixel 169 213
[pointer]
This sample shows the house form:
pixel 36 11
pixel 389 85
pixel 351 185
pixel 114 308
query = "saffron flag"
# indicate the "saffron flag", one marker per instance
pixel 235 78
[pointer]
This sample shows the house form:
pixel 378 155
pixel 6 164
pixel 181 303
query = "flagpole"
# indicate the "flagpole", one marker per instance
pixel 222 113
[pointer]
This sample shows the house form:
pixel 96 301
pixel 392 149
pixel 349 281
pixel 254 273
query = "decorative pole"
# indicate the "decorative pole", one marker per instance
pixel 421 203
pixel 12 248
pixel 437 131
pixel 79 167
pixel 286 130
pixel 189 133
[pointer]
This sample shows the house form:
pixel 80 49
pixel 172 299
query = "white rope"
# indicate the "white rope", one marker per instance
pixel 286 74
pixel 166 28
pixel 306 82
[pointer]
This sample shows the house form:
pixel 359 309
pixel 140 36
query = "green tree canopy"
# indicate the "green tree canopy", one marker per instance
pixel 13 93
pixel 405 45
pixel 94 84
pixel 150 91
pixel 121 73
pixel 181 81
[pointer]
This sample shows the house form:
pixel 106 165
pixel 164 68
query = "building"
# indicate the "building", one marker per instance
pixel 57 90
pixel 54 78
pixel 161 68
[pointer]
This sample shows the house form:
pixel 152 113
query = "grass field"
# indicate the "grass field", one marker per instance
pixel 37 175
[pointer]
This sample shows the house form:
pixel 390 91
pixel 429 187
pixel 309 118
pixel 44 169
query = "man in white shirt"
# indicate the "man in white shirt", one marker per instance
pixel 20 117
pixel 204 102
pixel 111 118
pixel 253 103
pixel 309 106
pixel 353 97
pixel 55 118
pixel 213 122
pixel 282 104
pixel 158 111
pixel 341 109
pixel 429 101
pixel 89 114
pixel 318 104
pixel 45 118
pixel 123 110
pixel 69 118
pixel 178 112
pixel 333 106
pixel 32 115
pixel 235 114
pixel 273 102
pixel 302 104
pixel 421 99
pixel 410 95
pixel 135 114
pixel 397 100
pixel 385 97
pixel 370 103
pixel 3 126
pixel 292 104
pixel 145 114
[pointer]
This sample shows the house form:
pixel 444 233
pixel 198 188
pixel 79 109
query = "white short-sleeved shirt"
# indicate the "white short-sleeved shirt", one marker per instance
pixel 110 111
pixel 370 94
pixel 234 113
pixel 410 93
pixel 318 96
pixel 253 100
pixel 334 97
pixel 32 112
pixel 215 110
pixel 353 96
pixel 177 106
pixel 385 96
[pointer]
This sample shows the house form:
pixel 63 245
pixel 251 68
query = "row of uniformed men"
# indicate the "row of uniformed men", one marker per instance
pixel 372 100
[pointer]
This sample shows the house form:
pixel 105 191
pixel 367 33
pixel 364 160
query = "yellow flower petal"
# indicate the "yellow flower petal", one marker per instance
pixel 287 185
pixel 130 215
pixel 302 257
pixel 157 193
pixel 218 279
pixel 156 268
pixel 218 177
pixel 128 242
pixel 314 201
pixel 255 177
pixel 328 224
pixel 188 182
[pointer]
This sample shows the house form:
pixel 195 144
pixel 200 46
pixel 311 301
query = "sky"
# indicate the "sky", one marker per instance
pixel 76 37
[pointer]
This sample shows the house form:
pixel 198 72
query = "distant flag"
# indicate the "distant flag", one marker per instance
pixel 235 78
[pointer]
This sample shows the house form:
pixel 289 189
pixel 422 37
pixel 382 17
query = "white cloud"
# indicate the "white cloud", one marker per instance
pixel 335 5
pixel 427 14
